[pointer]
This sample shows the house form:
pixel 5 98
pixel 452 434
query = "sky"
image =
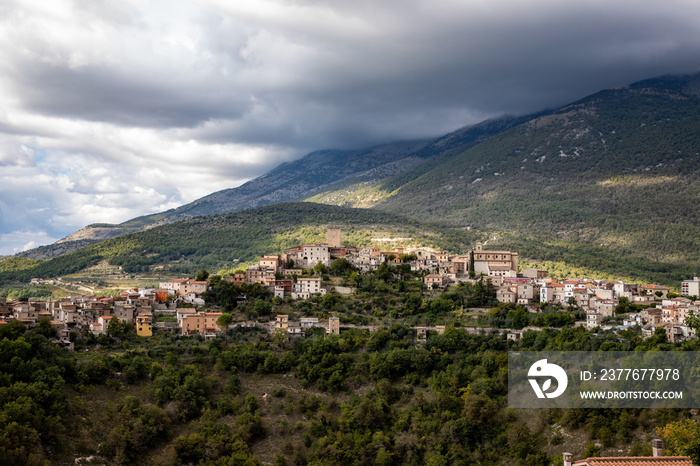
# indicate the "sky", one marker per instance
pixel 111 109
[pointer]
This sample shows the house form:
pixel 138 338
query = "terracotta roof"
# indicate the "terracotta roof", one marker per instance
pixel 637 461
pixel 655 287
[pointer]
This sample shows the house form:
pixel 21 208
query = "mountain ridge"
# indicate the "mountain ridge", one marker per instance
pixel 612 176
pixel 618 168
pixel 291 181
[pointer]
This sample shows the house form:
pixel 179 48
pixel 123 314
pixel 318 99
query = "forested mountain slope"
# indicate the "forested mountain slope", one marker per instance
pixel 618 171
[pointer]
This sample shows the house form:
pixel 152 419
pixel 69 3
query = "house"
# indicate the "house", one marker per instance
pixel 105 320
pixel 312 254
pixel 183 286
pixel 535 273
pixel 173 285
pixel 305 287
pixel 593 319
pixel 505 295
pixel 691 287
pixel 281 322
pixel 291 328
pixel 237 279
pixel 669 314
pixel 553 293
pixel 604 306
pixel 161 295
pixel 144 326
pixel 434 281
pixel 642 299
pixel 125 312
pixel 526 293
pixel 272 262
pixel 203 323
pixel 676 333
pixel 260 274
pixel 656 290
pixel 309 322
pixel 656 460
pixel 651 316
pixel 604 293
pixel 494 263
pixel 181 313
pixel 515 336
pixel 286 285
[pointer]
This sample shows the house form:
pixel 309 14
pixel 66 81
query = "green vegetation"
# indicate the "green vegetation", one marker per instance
pixel 16 263
pixel 250 397
pixel 31 291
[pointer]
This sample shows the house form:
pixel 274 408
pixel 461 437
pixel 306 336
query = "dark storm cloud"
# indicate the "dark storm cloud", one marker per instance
pixel 181 98
pixel 288 80
pixel 101 94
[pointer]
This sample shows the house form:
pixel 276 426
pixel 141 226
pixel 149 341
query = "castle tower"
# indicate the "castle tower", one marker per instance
pixel 333 326
pixel 333 237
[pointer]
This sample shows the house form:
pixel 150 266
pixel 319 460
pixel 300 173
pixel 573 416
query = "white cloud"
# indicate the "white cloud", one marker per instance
pixel 18 241
pixel 114 109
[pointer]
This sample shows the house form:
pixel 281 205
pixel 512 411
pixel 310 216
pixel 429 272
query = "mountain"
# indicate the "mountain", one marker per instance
pixel 612 177
pixel 607 184
pixel 324 170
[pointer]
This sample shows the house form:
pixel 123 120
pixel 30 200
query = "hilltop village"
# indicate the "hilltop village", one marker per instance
pixel 297 274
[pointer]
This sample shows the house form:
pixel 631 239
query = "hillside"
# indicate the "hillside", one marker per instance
pixel 223 241
pixel 379 397
pixel 612 176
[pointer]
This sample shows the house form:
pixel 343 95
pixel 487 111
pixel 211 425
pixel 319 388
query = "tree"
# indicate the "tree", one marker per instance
pixel 692 320
pixel 12 329
pixel 263 308
pixel 341 266
pixel 472 273
pixel 624 306
pixel 45 328
pixel 119 329
pixel 224 321
pixel 682 438
pixel 319 268
pixel 202 275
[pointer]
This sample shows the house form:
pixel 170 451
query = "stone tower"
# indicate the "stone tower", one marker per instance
pixel 333 237
pixel 333 326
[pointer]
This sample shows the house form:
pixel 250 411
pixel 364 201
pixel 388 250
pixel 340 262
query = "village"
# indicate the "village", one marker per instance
pixel 290 275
